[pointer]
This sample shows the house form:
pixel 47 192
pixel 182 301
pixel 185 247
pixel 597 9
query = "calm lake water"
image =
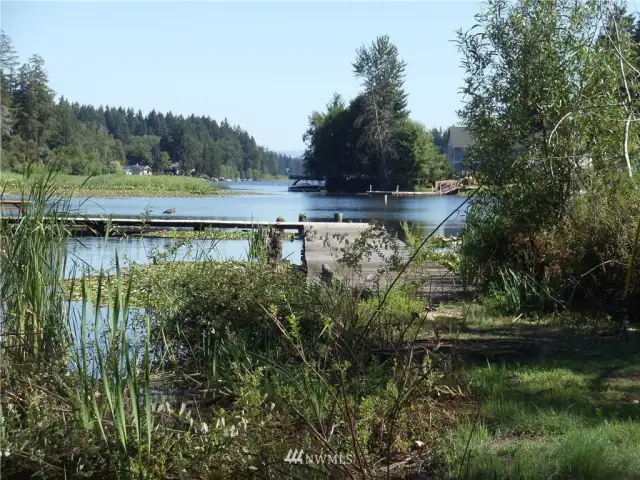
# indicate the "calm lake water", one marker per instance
pixel 92 254
pixel 275 201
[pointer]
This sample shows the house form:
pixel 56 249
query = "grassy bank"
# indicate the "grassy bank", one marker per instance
pixel 105 186
pixel 278 178
pixel 548 399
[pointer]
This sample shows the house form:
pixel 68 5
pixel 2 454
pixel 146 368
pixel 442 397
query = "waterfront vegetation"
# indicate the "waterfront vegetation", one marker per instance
pixel 371 140
pixel 209 369
pixel 104 186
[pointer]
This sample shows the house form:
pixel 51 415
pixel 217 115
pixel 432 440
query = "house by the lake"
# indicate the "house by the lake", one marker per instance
pixel 174 170
pixel 457 146
pixel 137 170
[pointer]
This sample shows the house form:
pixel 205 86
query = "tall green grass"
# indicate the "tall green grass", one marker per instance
pixel 257 250
pixel 113 384
pixel 38 327
pixel 33 262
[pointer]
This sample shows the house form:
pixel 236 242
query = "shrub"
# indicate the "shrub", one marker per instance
pixel 582 262
pixel 224 302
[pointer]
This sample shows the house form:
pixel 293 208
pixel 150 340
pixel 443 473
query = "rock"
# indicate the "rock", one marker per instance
pixel 417 445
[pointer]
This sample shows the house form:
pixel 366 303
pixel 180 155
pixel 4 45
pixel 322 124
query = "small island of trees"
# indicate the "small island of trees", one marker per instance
pixel 371 140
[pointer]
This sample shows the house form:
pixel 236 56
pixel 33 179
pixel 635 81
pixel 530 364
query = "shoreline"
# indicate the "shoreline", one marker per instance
pixel 100 193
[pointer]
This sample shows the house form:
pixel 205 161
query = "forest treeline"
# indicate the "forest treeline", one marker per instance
pixel 371 140
pixel 83 139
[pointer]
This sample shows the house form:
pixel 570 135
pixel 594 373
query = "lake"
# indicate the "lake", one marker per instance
pixel 274 201
pixel 92 253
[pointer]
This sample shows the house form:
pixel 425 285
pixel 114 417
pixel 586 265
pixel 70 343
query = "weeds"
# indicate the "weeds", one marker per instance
pixel 32 261
pixel 257 244
pixel 114 185
pixel 228 365
pixel 226 358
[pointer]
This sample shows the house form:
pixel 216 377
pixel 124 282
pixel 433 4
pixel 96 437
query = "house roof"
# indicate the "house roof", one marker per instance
pixel 460 137
pixel 136 168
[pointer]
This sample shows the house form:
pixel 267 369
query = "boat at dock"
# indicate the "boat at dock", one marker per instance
pixel 306 184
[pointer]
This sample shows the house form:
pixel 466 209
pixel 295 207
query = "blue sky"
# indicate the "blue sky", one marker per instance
pixel 262 65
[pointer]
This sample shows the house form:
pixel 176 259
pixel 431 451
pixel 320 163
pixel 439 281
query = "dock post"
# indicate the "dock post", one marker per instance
pixel 274 245
pixel 302 217
pixel 337 217
pixel 370 188
pixel 385 199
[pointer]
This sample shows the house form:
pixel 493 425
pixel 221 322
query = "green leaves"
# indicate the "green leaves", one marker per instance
pixel 372 140
pixel 548 104
pixel 87 140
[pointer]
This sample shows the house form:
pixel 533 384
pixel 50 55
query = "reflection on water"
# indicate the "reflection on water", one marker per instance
pixel 427 212
pixel 277 201
pixel 96 253
pixel 76 310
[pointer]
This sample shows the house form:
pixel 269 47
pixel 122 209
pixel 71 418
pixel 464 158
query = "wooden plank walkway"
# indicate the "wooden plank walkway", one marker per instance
pixel 325 243
pixel 99 223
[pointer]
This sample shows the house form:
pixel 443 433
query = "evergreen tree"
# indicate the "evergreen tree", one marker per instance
pixel 101 140
pixel 9 65
pixel 371 140
pixel 34 102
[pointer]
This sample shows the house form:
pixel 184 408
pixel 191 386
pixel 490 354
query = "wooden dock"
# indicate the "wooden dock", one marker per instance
pixel 325 243
pixel 396 193
pixel 100 224
pixel 14 204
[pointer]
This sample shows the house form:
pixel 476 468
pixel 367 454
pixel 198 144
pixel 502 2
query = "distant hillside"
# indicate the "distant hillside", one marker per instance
pixel 83 139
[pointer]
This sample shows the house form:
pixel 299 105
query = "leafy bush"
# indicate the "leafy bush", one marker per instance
pixel 582 262
pixel 221 302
